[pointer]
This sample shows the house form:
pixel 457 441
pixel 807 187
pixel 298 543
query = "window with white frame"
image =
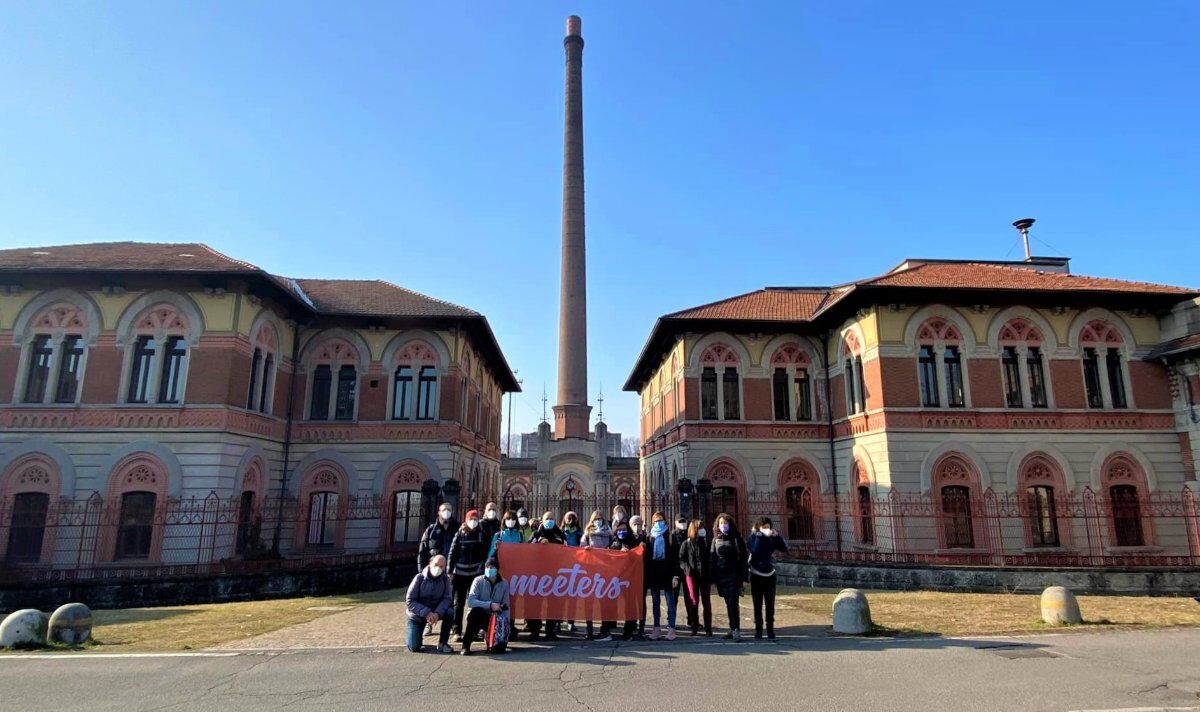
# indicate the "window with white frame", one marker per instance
pixel 158 357
pixel 720 384
pixel 1023 366
pixel 940 372
pixel 261 390
pixel 1104 364
pixel 53 355
pixel 791 386
pixel 334 381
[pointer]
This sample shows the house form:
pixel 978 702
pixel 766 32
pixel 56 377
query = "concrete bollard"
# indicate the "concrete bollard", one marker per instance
pixel 1059 607
pixel 23 627
pixel 71 624
pixel 851 613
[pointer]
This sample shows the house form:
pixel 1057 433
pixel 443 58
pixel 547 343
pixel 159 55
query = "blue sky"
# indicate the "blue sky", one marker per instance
pixel 729 146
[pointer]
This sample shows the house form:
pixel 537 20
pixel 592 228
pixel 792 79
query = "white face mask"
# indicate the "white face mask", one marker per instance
pixel 510 523
pixel 435 571
pixel 767 532
pixel 681 526
pixel 523 520
pixel 472 523
pixel 618 517
pixel 445 514
pixel 490 514
pixel 701 532
pixel 637 528
pixel 599 523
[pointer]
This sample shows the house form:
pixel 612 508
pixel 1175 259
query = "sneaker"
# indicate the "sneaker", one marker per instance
pixel 444 648
pixel 728 636
pixel 737 636
pixel 670 634
pixel 603 639
pixel 465 651
pixel 654 633
pixel 429 629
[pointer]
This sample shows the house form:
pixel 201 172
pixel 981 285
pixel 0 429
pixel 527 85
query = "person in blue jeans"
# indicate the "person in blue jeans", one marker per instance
pixel 662 573
pixel 430 601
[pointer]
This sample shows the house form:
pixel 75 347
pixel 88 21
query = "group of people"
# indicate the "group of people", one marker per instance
pixel 459 587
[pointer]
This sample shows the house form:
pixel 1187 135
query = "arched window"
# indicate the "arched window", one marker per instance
pixel 249 521
pixel 1023 364
pixel 53 333
pixel 1125 486
pixel 137 488
pixel 1042 484
pixel 940 364
pixel 864 504
pixel 402 495
pixel 728 487
pixel 1103 365
pixel 415 383
pixel 720 384
pixel 955 484
pixel 159 356
pixel 791 385
pixel 28 489
pixel 331 399
pixel 323 495
pixel 856 385
pixel 801 492
pixel 515 496
pixel 263 361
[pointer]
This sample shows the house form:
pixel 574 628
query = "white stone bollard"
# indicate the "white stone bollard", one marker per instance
pixel 851 613
pixel 23 627
pixel 1059 607
pixel 71 624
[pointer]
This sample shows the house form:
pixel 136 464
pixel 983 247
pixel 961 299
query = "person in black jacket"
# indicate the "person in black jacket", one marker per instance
pixel 468 551
pixel 491 521
pixel 624 540
pixel 547 533
pixel 694 562
pixel 662 573
pixel 763 544
pixel 637 533
pixel 437 537
pixel 729 569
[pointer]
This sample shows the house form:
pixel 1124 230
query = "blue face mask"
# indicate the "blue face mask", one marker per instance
pixel 659 528
pixel 622 534
pixel 548 524
pixel 724 527
pixel 491 572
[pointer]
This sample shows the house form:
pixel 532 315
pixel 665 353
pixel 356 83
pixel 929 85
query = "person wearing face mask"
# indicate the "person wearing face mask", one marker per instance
pixel 548 533
pixel 488 598
pixel 509 533
pixel 572 533
pixel 619 515
pixel 662 573
pixel 524 526
pixel 694 563
pixel 638 532
pixel 728 566
pixel 491 521
pixel 468 551
pixel 624 540
pixel 437 537
pixel 597 535
pixel 763 544
pixel 430 602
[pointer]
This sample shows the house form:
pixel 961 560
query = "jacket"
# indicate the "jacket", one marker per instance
pixel 436 540
pixel 660 572
pixel 426 594
pixel 572 536
pixel 694 559
pixel 467 553
pixel 599 538
pixel 526 533
pixel 490 528
pixel 506 536
pixel 762 552
pixel 553 535
pixel 677 539
pixel 728 564
pixel 483 593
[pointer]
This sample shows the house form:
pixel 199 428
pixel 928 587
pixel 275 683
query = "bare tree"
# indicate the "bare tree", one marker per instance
pixel 515 450
pixel 631 446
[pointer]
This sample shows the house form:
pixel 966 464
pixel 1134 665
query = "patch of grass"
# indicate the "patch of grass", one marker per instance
pixel 910 613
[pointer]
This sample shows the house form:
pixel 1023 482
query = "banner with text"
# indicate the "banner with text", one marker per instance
pixel 555 582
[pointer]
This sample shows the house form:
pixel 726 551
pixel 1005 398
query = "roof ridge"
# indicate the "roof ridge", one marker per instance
pixel 220 254
pixel 713 303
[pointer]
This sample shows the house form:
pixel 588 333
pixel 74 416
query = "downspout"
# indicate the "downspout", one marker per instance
pixel 287 438
pixel 833 477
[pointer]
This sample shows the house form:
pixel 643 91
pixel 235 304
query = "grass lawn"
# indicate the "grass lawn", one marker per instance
pixel 930 613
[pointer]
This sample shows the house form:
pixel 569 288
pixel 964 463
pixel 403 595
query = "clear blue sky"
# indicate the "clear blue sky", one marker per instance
pixel 729 146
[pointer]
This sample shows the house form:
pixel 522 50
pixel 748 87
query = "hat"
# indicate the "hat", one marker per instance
pixel 473 513
pixel 635 519
pixel 493 561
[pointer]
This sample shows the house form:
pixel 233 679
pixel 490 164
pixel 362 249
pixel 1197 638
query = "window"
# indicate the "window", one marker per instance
pixel 729 383
pixel 478 409
pixel 723 499
pixel 39 369
pixel 264 394
pixel 803 395
pixel 1091 378
pixel 427 389
pixel 779 392
pixel 1012 378
pixel 28 527
pixel 956 517
pixel 252 391
pixel 1043 519
pixel 406 517
pixel 68 370
pixel 927 371
pixel 1116 378
pixel 1037 377
pixel 860 385
pixel 135 525
pixel 463 417
pixel 322 515
pixel 708 394
pixel 954 377
pixel 172 366
pixel 1126 515
pixel 139 375
pixel 249 525
pixel 799 513
pixel 851 383
pixel 402 398
pixel 322 381
pixel 866 515
pixel 347 383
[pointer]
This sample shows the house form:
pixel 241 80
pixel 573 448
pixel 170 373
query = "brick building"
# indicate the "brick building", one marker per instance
pixel 968 410
pixel 156 398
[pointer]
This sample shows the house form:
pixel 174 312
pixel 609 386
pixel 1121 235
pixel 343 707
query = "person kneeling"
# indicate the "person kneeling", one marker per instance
pixel 487 610
pixel 430 601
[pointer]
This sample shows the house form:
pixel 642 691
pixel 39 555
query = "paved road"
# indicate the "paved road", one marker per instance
pixel 1144 670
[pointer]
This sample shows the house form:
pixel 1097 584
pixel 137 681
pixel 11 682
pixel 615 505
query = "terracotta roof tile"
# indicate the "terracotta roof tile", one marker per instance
pixel 771 304
pixel 375 298
pixel 123 256
pixel 983 275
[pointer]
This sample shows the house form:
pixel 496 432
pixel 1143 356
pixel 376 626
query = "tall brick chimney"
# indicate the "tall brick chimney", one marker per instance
pixel 572 414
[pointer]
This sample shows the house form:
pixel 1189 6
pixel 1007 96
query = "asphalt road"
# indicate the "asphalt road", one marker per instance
pixel 1100 671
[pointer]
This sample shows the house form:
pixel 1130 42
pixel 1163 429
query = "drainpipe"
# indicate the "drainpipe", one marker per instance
pixel 287 438
pixel 833 477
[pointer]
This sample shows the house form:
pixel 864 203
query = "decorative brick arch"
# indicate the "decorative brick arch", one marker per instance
pixel 31 474
pixel 1020 331
pixel 1120 472
pixel 403 476
pixel 322 476
pixel 938 329
pixel 137 472
pixel 59 309
pixel 851 344
pixel 162 313
pixel 790 354
pixel 1099 332
pixel 800 500
pixel 1100 327
pixel 720 354
pixel 1039 469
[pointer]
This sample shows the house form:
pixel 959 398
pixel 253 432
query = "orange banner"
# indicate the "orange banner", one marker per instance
pixel 555 582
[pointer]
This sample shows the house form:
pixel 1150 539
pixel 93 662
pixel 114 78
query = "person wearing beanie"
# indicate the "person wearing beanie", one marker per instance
pixel 468 550
pixel 488 597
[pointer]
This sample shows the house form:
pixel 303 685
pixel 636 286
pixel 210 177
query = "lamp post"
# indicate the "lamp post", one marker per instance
pixel 570 495
pixel 452 482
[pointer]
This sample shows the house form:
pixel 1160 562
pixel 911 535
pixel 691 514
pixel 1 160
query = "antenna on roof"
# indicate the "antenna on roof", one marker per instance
pixel 600 400
pixel 544 401
pixel 1023 226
